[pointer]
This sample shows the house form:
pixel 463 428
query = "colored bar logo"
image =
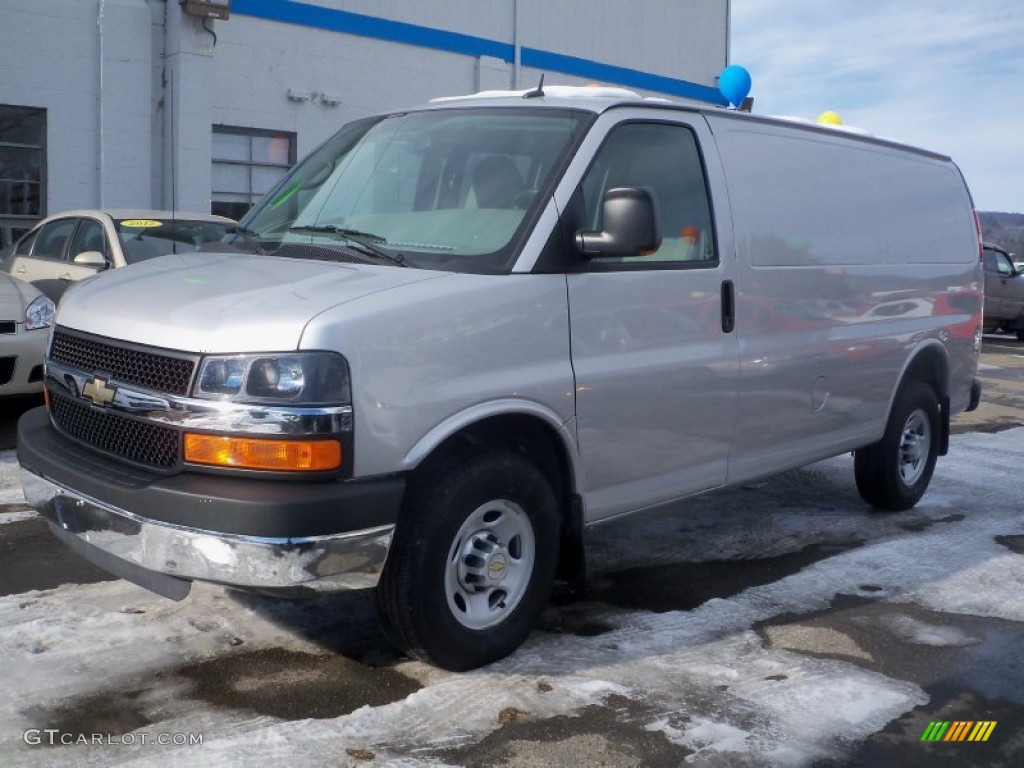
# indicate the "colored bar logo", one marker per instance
pixel 959 730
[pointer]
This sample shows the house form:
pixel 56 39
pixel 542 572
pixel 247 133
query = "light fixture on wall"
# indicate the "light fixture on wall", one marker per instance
pixel 294 95
pixel 208 9
pixel 328 99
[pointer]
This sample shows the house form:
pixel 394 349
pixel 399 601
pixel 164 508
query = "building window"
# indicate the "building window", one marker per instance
pixel 22 162
pixel 247 162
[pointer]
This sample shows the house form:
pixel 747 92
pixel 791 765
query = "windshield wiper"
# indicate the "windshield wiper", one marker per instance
pixel 238 229
pixel 366 240
pixel 249 235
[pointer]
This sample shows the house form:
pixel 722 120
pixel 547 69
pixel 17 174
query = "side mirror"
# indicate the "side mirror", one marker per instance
pixel 631 224
pixel 91 259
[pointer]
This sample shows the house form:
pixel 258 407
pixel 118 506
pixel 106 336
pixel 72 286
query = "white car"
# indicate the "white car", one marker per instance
pixel 73 245
pixel 25 318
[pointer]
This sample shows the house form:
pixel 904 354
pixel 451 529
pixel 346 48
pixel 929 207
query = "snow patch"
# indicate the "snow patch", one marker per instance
pixel 993 586
pixel 703 735
pixel 16 515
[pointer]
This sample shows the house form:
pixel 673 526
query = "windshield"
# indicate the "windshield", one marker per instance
pixel 143 239
pixel 445 189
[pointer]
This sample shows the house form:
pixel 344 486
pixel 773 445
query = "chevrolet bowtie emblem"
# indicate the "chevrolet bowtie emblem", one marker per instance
pixel 97 390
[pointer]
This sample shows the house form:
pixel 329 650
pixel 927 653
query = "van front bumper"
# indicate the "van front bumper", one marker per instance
pixel 140 550
pixel 165 532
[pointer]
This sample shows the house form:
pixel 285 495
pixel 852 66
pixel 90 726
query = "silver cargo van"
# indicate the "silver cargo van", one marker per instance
pixel 465 332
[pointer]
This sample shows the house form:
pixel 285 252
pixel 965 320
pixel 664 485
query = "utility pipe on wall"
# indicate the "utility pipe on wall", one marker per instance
pixel 99 106
pixel 517 52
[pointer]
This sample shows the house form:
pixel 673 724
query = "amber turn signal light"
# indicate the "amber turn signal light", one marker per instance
pixel 262 453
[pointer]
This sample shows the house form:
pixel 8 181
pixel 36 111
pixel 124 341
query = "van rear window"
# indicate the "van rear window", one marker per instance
pixel 804 199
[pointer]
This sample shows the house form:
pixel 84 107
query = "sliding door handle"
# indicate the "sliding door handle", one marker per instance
pixel 728 307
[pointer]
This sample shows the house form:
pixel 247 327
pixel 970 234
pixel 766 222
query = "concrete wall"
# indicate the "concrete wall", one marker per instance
pixel 50 58
pixel 133 127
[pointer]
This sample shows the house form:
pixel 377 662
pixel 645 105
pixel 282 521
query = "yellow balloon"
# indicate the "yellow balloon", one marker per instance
pixel 830 118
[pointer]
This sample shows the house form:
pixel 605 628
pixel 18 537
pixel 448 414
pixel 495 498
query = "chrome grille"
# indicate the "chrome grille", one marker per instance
pixel 161 373
pixel 140 442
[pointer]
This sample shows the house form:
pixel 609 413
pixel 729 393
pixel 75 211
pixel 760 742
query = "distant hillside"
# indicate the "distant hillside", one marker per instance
pixel 1004 229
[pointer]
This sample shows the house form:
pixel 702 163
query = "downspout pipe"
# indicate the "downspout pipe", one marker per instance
pixel 99 107
pixel 517 55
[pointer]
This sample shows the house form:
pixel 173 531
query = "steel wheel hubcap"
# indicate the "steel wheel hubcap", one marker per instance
pixel 489 564
pixel 915 445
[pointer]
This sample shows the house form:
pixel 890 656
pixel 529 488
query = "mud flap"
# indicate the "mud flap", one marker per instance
pixel 943 425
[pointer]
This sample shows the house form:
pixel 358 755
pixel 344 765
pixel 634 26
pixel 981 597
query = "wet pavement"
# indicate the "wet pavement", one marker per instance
pixel 27 543
pixel 284 684
pixel 971 667
pixel 685 586
pixel 612 734
pixel 1001 371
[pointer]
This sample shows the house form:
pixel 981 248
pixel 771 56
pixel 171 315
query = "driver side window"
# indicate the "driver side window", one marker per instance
pixel 88 237
pixel 665 159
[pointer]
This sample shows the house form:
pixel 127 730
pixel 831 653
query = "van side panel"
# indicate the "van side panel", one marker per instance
pixel 469 347
pixel 851 255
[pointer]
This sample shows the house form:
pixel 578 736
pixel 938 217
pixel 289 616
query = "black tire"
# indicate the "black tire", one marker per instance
pixel 1020 335
pixel 457 589
pixel 893 474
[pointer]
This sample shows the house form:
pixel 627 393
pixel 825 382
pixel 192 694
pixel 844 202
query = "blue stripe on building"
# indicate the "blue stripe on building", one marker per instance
pixel 304 14
pixel 609 73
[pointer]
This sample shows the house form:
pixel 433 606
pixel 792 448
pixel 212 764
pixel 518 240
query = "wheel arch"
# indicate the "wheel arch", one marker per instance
pixel 929 364
pixel 539 435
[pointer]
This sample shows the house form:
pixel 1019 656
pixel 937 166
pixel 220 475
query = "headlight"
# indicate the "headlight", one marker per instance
pixel 39 313
pixel 290 377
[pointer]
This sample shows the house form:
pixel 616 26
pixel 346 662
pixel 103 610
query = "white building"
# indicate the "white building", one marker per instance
pixel 136 103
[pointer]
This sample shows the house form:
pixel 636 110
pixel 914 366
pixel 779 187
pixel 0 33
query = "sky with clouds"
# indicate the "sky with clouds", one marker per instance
pixel 946 76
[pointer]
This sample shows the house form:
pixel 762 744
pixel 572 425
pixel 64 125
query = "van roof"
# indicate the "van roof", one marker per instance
pixel 595 98
pixel 600 98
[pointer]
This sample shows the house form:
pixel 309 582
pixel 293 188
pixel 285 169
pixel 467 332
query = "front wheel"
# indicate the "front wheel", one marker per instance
pixel 473 559
pixel 893 474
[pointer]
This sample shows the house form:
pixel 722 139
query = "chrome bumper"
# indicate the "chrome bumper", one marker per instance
pixel 351 560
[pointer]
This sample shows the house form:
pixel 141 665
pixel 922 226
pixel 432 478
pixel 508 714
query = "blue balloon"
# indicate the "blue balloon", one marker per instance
pixel 734 84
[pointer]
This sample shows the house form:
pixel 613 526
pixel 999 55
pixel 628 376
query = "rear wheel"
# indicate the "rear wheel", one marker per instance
pixel 893 474
pixel 1020 335
pixel 473 559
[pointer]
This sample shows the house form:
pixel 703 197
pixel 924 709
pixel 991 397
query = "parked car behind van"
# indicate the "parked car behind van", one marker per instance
pixel 72 245
pixel 470 330
pixel 1004 293
pixel 25 319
